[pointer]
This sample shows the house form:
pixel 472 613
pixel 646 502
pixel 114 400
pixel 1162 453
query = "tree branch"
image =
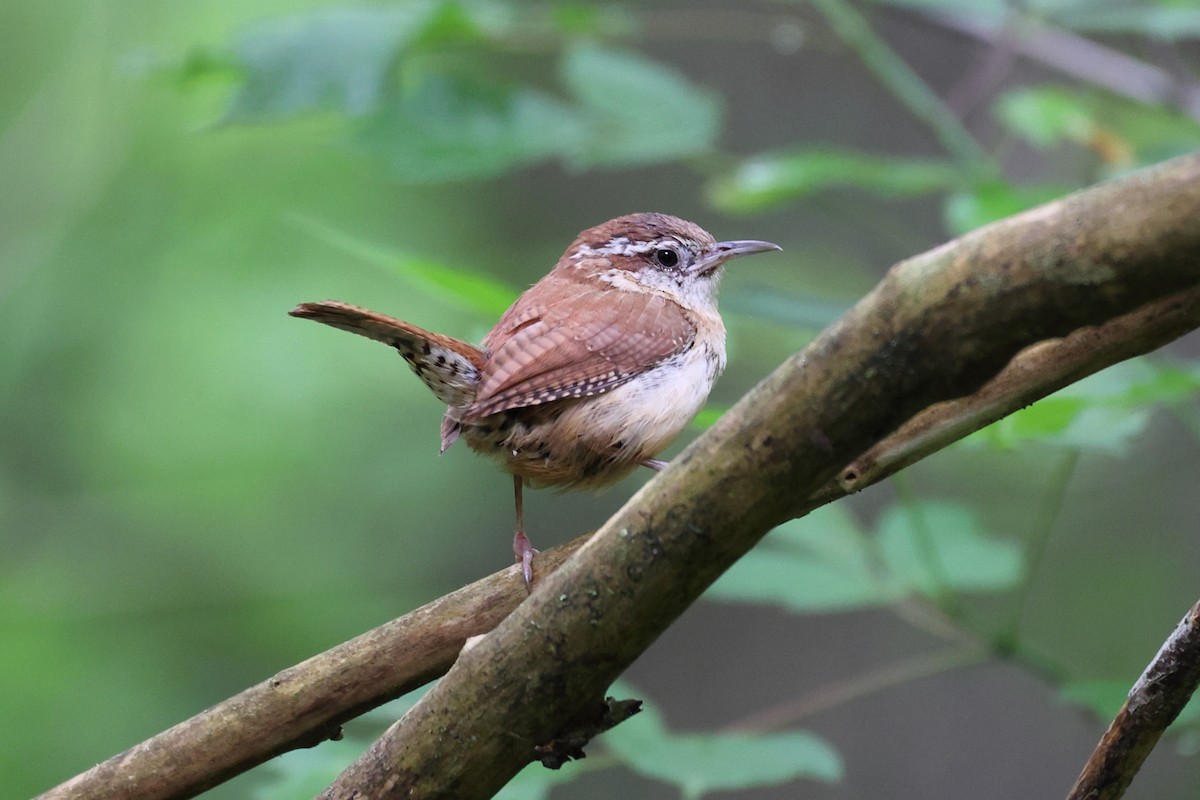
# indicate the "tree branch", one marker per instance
pixel 1154 702
pixel 936 328
pixel 1033 373
pixel 306 703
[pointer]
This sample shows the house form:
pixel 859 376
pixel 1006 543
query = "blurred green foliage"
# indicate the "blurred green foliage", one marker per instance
pixel 196 491
pixel 697 763
pixel 702 763
pixel 424 88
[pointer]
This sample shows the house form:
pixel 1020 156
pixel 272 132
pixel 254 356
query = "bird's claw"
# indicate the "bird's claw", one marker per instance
pixel 524 553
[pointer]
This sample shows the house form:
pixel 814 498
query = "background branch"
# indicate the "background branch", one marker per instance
pixel 1154 702
pixel 1083 59
pixel 970 306
pixel 305 704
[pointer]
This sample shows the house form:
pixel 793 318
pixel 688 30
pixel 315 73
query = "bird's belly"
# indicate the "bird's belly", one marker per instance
pixel 594 441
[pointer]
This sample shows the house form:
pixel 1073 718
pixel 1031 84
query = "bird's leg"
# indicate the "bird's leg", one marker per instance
pixel 523 551
pixel 655 464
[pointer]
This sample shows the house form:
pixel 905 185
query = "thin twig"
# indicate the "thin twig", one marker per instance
pixel 1035 553
pixel 942 591
pixel 1083 59
pixel 986 74
pixel 1154 702
pixel 904 83
pixel 859 686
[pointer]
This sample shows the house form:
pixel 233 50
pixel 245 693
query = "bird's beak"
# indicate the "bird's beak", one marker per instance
pixel 721 252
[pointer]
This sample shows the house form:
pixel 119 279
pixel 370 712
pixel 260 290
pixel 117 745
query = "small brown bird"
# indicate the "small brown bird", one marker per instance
pixel 592 371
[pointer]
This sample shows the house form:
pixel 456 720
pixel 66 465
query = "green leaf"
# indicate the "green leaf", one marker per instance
pixel 1145 381
pixel 1067 422
pixel 1102 698
pixel 580 17
pixel 449 22
pixel 477 293
pixel 819 563
pixel 1046 116
pixel 702 763
pixel 344 59
pixel 933 547
pixel 443 128
pixel 771 180
pixel 636 111
pixel 824 563
pixel 441 119
pixel 708 417
pixel 1154 133
pixel 328 59
pixel 993 200
pixel 1103 413
pixel 1120 132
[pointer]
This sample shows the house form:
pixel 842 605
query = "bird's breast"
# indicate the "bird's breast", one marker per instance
pixel 648 412
pixel 594 441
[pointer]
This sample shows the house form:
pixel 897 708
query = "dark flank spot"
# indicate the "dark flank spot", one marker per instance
pixel 618 444
pixel 441 361
pixel 592 469
pixel 426 349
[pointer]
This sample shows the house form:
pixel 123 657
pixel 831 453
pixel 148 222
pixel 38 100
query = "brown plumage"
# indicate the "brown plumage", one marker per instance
pixel 593 370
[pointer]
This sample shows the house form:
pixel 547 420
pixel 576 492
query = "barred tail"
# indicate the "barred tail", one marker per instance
pixel 450 367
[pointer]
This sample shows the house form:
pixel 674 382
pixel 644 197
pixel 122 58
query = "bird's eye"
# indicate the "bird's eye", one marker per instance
pixel 666 257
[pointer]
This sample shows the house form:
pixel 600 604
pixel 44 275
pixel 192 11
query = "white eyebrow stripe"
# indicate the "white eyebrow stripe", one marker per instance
pixel 621 246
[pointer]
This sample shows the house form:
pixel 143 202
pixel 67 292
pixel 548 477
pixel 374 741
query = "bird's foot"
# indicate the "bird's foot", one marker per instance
pixel 655 464
pixel 524 553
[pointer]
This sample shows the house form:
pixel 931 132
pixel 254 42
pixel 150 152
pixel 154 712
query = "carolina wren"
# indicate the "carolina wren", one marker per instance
pixel 592 371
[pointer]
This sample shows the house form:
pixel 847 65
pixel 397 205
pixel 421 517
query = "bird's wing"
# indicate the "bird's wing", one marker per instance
pixel 577 340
